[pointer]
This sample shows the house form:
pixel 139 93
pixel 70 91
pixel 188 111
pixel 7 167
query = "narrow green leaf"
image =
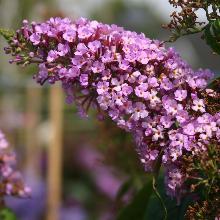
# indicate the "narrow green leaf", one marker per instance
pixel 216 30
pixel 175 212
pixel 137 208
pixel 211 35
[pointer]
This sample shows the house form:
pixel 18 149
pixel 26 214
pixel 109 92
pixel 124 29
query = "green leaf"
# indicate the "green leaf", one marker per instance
pixel 7 214
pixel 154 210
pixel 216 29
pixel 7 34
pixel 137 208
pixel 212 35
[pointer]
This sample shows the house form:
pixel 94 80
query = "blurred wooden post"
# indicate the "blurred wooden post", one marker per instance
pixel 55 154
pixel 32 148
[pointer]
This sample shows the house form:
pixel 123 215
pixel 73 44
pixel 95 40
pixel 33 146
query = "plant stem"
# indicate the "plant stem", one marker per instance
pixel 154 183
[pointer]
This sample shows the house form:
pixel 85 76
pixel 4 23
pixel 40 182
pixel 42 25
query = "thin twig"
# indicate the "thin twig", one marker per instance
pixel 159 197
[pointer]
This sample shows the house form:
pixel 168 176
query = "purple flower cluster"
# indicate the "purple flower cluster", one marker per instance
pixel 146 89
pixel 11 182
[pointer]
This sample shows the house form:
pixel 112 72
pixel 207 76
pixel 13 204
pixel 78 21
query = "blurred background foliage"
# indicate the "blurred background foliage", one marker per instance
pixel 101 173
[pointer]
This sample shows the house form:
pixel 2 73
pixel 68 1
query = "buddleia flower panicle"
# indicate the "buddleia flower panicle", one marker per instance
pixel 143 87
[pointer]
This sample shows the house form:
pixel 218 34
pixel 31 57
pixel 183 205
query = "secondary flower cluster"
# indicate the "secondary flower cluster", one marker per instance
pixel 146 89
pixel 11 182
